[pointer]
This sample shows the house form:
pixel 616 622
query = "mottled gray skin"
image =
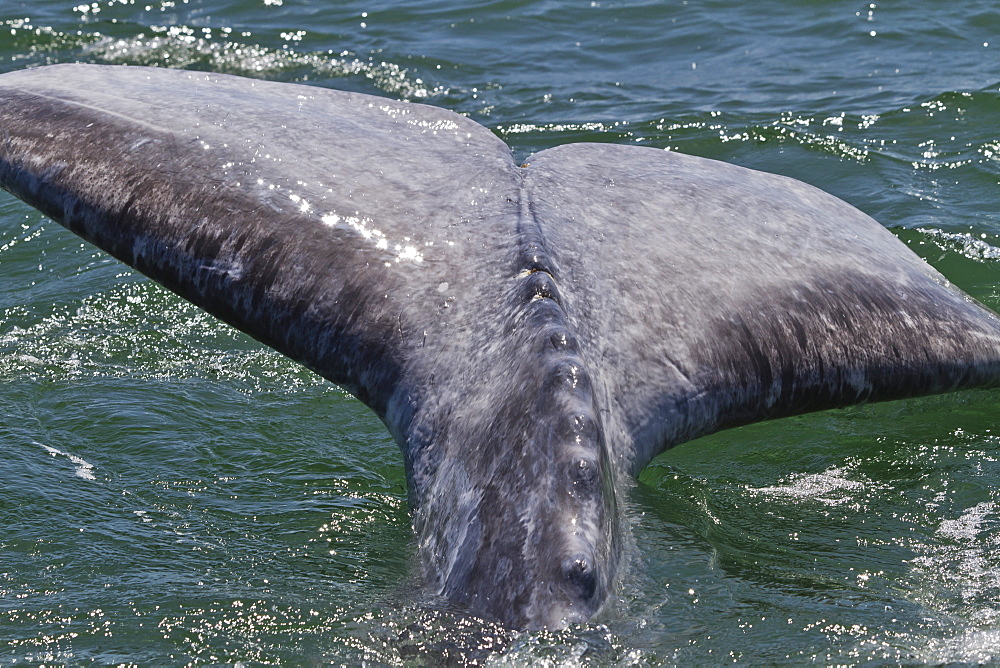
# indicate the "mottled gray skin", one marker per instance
pixel 530 335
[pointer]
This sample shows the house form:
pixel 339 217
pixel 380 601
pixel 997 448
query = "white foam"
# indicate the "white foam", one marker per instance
pixel 831 487
pixel 973 647
pixel 83 470
pixel 968 525
pixel 972 247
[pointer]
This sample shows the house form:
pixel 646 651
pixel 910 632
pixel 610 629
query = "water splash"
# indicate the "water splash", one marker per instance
pixel 970 245
pixel 185 47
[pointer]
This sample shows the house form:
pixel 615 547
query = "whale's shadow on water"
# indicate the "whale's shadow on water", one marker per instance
pixel 531 335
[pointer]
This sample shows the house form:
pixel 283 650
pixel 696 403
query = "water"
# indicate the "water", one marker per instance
pixel 175 494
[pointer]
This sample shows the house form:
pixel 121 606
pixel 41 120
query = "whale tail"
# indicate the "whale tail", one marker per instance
pixel 527 334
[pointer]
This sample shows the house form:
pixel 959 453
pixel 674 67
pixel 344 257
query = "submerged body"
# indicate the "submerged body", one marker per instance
pixel 529 335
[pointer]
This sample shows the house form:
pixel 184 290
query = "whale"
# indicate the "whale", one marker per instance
pixel 531 334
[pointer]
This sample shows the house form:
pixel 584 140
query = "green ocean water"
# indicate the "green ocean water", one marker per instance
pixel 173 493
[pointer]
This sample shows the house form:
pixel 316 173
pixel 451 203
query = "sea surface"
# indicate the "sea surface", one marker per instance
pixel 172 493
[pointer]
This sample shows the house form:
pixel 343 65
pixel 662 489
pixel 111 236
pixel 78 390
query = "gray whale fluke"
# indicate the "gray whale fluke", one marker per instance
pixel 529 335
